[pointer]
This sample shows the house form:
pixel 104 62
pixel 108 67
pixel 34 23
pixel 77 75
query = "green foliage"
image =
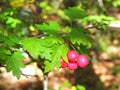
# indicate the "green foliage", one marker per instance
pixel 102 18
pixel 32 45
pixel 3 54
pixel 48 42
pixel 76 87
pixel 6 13
pixel 100 22
pixel 52 43
pixel 51 28
pixel 53 40
pixel 4 50
pixel 45 52
pixel 56 55
pixel 116 3
pixel 2 38
pixel 78 36
pixel 67 84
pixel 56 40
pixel 80 87
pixel 74 13
pixel 12 22
pixel 14 63
pixel 47 8
pixel 12 40
pixel 64 51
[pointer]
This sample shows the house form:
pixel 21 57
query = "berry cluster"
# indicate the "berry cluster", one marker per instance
pixel 75 60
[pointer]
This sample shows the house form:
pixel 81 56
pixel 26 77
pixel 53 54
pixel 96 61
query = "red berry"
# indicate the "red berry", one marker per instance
pixel 63 64
pixel 82 61
pixel 72 66
pixel 72 55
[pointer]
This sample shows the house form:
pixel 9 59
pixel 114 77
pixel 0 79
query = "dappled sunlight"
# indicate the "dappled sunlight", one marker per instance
pixel 59 45
pixel 103 71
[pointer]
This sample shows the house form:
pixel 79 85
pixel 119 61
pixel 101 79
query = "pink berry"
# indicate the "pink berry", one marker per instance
pixel 63 63
pixel 72 55
pixel 72 66
pixel 82 61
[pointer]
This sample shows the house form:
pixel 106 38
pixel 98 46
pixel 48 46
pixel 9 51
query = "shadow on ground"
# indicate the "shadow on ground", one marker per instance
pixel 88 78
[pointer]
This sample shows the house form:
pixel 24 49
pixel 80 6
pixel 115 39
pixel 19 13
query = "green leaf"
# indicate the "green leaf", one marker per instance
pixel 57 52
pixel 15 39
pixel 50 40
pixel 41 47
pixel 64 49
pixel 12 40
pixel 46 52
pixel 50 28
pixel 67 84
pixel 3 54
pixel 4 50
pixel 80 87
pixel 13 21
pixel 101 21
pixel 14 63
pixel 2 59
pixel 33 45
pixel 116 3
pixel 56 55
pixel 9 42
pixel 48 45
pixel 2 37
pixel 77 36
pixel 48 66
pixel 75 13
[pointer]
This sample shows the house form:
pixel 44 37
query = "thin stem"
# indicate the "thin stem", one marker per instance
pixel 28 75
pixel 94 27
pixel 69 43
pixel 45 83
pixel 2 65
pixel 72 46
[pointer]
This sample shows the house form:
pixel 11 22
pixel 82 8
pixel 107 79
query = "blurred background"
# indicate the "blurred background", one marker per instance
pixel 103 21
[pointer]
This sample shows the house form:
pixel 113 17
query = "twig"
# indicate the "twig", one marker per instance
pixel 72 46
pixel 27 75
pixel 69 43
pixel 94 27
pixel 45 82
pixel 40 36
pixel 2 65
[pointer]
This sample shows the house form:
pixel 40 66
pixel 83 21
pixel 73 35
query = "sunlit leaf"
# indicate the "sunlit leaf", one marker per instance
pixel 64 49
pixel 14 63
pixel 13 21
pixel 48 66
pixel 46 52
pixel 56 56
pixel 50 28
pixel 33 45
pixel 50 40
